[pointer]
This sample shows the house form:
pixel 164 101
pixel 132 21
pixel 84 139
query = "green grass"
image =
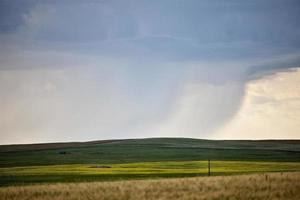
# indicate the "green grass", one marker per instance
pixel 143 158
pixel 148 150
pixel 84 172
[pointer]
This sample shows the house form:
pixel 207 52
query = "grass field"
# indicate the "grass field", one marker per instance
pixel 149 150
pixel 77 173
pixel 274 186
pixel 143 158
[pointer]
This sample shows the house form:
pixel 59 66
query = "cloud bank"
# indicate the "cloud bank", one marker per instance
pixel 270 109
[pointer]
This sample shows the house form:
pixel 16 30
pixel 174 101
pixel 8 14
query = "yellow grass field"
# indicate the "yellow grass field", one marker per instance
pixel 273 186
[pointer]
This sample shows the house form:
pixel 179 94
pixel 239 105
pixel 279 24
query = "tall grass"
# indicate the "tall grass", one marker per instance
pixel 263 186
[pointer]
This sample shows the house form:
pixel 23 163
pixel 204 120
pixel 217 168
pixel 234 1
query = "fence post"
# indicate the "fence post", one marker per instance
pixel 208 167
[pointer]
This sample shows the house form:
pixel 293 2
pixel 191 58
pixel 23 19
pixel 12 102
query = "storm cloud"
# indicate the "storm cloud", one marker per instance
pixel 83 70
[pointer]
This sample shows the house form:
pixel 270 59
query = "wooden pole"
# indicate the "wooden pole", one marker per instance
pixel 208 167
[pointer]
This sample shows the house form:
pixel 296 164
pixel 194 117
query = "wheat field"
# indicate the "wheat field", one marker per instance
pixel 273 186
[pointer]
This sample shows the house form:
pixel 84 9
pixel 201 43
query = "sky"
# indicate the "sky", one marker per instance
pixel 109 69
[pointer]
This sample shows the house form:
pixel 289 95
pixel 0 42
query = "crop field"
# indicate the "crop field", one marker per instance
pixel 77 172
pixel 275 186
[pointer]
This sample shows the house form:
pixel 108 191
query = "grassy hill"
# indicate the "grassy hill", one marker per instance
pixel 149 150
pixel 143 158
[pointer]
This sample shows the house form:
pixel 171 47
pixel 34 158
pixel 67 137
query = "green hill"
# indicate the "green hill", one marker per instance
pixel 146 150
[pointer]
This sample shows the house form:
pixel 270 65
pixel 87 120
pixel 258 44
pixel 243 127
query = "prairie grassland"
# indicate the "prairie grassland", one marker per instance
pixel 273 186
pixel 149 150
pixel 94 172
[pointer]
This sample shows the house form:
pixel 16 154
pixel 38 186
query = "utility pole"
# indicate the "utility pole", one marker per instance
pixel 208 167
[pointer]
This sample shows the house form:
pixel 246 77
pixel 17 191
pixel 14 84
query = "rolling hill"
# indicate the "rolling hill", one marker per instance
pixel 148 150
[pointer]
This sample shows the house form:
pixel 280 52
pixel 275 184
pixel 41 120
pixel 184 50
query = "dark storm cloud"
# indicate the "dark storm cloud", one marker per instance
pixel 163 66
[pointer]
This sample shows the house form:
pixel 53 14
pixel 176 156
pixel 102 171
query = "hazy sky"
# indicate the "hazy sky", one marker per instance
pixel 100 69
